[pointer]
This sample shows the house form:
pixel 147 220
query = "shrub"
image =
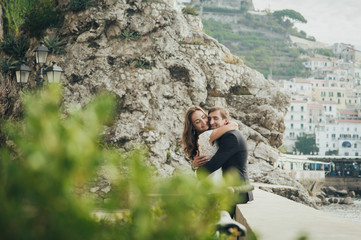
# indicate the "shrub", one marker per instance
pixel 15 47
pixel 41 15
pixel 52 158
pixel 54 44
pixel 81 5
pixel 128 35
pixel 190 10
pixel 8 65
pixel 136 63
pixel 233 60
pixel 14 13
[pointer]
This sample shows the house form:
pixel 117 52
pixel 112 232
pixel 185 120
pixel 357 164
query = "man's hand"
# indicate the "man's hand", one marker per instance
pixel 199 160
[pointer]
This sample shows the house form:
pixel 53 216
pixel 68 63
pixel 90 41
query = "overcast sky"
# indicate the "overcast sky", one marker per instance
pixel 329 21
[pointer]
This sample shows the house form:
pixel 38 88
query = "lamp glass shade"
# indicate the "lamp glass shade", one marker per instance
pixel 41 57
pixel 41 53
pixel 22 76
pixel 22 73
pixel 53 74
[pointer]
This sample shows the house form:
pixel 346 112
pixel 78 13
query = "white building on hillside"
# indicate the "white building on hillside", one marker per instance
pixel 330 109
pixel 299 86
pixel 341 137
pixel 303 117
pixel 319 62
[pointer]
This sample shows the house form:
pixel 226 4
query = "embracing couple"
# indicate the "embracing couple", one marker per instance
pixel 215 144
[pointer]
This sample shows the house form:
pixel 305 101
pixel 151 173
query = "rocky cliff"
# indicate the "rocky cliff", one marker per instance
pixel 168 66
pixel 158 63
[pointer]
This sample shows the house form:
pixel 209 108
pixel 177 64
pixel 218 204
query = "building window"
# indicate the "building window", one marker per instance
pixel 291 108
pixel 301 117
pixel 355 145
pixel 301 125
pixel 291 125
pixel 333 136
pixel 301 108
pixel 330 108
pixel 310 120
pixel 338 94
pixel 291 117
pixel 330 94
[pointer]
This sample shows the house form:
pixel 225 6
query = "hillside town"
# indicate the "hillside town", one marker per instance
pixel 327 105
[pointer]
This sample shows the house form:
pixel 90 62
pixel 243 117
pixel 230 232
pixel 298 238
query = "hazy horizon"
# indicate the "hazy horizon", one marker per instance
pixel 329 21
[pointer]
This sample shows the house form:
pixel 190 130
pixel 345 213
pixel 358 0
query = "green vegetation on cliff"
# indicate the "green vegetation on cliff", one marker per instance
pixel 258 50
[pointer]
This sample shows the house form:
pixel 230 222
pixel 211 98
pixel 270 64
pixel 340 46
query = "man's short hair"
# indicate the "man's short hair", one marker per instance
pixel 224 112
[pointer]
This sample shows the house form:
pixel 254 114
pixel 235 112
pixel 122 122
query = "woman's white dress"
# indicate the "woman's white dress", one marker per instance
pixel 205 148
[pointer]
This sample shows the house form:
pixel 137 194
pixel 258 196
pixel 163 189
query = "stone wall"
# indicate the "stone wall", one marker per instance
pixel 341 183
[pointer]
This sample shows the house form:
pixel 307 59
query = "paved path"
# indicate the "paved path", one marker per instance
pixel 274 217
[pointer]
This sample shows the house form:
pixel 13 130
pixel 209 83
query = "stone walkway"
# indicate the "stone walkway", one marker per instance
pixel 274 217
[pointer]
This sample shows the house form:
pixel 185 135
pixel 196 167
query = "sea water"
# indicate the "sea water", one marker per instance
pixel 351 212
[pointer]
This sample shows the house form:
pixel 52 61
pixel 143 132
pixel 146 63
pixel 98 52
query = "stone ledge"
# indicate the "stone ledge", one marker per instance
pixel 271 216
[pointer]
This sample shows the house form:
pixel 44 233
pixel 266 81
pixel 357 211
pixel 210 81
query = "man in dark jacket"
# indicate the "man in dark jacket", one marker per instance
pixel 232 152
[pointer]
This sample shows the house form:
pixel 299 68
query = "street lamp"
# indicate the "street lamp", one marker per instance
pixel 41 53
pixel 22 73
pixel 53 73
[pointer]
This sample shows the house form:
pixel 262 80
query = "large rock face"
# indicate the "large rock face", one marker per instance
pixel 170 66
pixel 158 63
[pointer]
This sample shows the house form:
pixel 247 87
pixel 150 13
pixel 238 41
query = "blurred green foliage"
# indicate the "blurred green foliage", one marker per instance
pixel 51 156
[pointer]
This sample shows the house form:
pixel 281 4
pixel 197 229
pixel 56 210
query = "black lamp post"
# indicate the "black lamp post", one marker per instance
pixel 53 73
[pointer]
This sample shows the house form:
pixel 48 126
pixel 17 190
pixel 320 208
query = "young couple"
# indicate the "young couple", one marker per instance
pixel 215 144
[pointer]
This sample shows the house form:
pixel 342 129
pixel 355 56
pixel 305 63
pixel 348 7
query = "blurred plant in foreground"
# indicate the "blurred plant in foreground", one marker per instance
pixel 50 155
